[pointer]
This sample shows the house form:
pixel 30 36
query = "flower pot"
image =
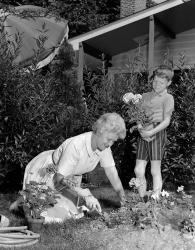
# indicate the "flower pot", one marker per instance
pixel 35 224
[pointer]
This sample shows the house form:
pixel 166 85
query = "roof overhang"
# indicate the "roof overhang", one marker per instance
pixel 174 16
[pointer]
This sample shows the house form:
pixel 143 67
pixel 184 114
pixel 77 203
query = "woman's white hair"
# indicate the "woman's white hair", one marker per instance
pixel 110 123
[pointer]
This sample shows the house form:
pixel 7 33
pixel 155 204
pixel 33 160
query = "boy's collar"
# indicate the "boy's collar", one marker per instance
pixel 161 94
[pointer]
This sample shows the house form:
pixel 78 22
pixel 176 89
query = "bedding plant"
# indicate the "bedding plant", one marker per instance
pixel 37 197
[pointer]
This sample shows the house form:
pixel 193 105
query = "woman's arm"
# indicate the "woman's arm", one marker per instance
pixel 61 182
pixel 65 169
pixel 115 181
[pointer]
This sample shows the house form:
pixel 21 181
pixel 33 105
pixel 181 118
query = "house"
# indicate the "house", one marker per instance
pixel 165 30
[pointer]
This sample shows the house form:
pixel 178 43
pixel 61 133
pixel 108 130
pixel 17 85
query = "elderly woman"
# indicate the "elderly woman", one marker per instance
pixel 76 156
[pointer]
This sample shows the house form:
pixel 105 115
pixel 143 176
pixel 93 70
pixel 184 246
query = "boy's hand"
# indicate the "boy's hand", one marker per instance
pixel 146 133
pixel 148 139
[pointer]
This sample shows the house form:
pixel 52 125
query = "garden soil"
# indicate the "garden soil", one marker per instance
pixel 128 237
pixel 125 237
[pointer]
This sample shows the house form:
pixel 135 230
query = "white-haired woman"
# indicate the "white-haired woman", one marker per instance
pixel 76 156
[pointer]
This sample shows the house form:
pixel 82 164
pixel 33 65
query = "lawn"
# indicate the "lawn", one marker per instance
pixel 131 227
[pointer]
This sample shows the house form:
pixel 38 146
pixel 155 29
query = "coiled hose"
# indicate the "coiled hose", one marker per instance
pixel 17 237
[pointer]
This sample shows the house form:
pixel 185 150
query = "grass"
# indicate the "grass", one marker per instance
pixel 69 235
pixel 91 232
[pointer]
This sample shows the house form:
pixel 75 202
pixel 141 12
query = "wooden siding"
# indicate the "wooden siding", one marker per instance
pixel 164 48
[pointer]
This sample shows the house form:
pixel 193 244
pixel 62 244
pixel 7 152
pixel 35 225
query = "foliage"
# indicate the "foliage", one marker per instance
pixel 118 230
pixel 188 225
pixel 82 15
pixel 38 110
pixel 149 211
pixel 177 164
pixel 37 197
pixel 104 94
pixel 134 109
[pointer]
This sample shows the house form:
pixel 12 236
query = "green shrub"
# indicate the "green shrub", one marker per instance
pixel 104 95
pixel 177 164
pixel 38 111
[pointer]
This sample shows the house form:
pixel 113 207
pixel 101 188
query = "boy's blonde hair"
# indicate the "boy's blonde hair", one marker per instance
pixel 110 123
pixel 164 71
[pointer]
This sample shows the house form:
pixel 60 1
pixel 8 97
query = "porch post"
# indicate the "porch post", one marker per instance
pixel 80 72
pixel 151 45
pixel 80 65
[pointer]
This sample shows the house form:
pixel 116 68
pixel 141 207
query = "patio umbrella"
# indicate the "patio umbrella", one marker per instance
pixel 37 31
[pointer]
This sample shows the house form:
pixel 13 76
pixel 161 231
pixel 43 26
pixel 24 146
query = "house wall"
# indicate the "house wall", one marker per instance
pixel 164 48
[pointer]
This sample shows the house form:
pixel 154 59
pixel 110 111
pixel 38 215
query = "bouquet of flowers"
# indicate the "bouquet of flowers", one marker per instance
pixel 135 111
pixel 37 197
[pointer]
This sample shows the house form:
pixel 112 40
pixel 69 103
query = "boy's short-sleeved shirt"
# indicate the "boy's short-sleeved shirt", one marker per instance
pixel 76 155
pixel 158 106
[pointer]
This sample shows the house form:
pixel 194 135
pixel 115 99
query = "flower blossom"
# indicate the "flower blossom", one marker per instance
pixel 128 97
pixel 155 196
pixel 131 97
pixel 44 187
pixel 165 193
pixel 180 189
pixel 135 182
pixel 42 197
pixel 136 98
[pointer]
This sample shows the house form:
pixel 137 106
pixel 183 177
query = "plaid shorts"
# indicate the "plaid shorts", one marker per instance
pixel 153 150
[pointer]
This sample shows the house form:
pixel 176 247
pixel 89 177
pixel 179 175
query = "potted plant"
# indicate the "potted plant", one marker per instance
pixel 37 197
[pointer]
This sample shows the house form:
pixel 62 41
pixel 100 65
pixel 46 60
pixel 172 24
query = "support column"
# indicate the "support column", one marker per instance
pixel 80 72
pixel 151 45
pixel 80 64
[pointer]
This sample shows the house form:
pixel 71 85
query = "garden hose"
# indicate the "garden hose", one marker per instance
pixel 17 237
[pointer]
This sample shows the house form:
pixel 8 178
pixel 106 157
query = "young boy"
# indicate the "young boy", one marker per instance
pixel 151 142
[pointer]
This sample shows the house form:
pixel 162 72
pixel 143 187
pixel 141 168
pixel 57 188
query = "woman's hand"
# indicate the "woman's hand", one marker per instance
pixel 122 197
pixel 92 203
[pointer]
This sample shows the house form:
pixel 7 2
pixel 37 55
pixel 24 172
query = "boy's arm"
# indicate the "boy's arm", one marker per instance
pixel 168 109
pixel 164 124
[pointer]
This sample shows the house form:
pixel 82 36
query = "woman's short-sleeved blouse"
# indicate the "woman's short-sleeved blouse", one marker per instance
pixel 75 156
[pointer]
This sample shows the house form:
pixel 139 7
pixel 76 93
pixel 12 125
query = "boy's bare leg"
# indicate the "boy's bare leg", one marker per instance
pixel 140 168
pixel 156 175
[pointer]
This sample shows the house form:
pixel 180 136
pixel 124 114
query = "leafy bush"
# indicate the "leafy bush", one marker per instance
pixel 177 164
pixel 105 95
pixel 38 111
